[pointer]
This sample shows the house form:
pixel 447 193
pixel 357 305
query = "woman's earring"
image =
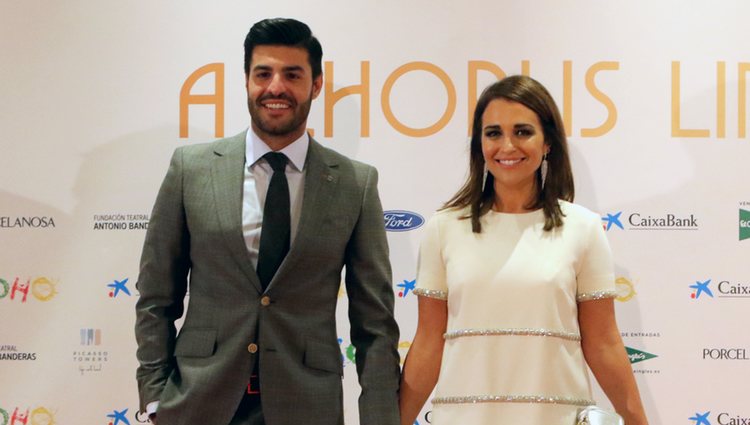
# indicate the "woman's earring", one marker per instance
pixel 544 169
pixel 484 176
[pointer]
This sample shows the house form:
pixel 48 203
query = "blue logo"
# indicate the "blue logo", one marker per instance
pixel 118 417
pixel 700 418
pixel 406 286
pixel 402 221
pixel 117 287
pixel 701 288
pixel 611 219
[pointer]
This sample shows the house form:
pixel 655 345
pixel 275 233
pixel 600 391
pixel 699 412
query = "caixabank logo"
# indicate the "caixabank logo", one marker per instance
pixel 707 289
pixel 118 417
pixel 16 415
pixel 621 220
pixel 118 288
pixel 402 221
pixel 24 289
pixel 722 418
pixel 406 287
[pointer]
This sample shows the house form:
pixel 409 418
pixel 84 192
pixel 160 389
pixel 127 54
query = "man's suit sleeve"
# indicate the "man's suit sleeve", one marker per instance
pixel 162 283
pixel 374 331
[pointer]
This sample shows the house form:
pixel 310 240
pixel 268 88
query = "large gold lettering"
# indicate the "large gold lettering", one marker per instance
pixel 677 130
pixel 567 112
pixel 742 70
pixel 386 95
pixel 611 120
pixel 216 99
pixel 474 68
pixel 721 100
pixel 331 97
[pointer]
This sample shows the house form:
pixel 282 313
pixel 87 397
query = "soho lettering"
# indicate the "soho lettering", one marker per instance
pixel 727 419
pixel 21 222
pixel 745 224
pixel 363 90
pixel 729 288
pixel 725 354
pixel 38 416
pixel 668 221
pixel 42 288
pixel 402 221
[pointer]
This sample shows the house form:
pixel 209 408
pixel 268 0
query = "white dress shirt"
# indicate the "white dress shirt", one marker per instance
pixel 258 174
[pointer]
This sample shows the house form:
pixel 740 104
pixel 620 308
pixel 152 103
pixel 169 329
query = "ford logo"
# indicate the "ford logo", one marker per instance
pixel 402 221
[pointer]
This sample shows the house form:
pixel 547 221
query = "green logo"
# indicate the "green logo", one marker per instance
pixel 636 356
pixel 744 224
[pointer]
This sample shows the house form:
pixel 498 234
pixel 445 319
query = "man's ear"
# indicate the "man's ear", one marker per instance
pixel 317 85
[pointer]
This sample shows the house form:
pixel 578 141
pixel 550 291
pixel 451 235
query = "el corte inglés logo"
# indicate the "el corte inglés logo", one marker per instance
pixel 744 224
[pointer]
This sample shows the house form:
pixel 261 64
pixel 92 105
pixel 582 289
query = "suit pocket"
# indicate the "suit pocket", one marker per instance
pixel 195 343
pixel 323 357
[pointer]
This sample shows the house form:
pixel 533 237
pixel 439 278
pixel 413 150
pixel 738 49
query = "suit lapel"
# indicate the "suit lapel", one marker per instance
pixel 227 175
pixel 321 180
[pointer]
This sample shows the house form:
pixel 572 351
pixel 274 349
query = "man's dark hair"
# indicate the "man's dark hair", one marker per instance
pixel 284 32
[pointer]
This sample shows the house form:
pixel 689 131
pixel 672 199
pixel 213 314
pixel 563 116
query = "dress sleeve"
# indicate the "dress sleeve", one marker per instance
pixel 595 276
pixel 430 264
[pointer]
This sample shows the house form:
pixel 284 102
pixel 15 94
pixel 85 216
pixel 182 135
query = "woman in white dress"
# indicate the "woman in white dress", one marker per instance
pixel 516 283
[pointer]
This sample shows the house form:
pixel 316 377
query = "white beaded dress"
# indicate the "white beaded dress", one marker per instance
pixel 512 352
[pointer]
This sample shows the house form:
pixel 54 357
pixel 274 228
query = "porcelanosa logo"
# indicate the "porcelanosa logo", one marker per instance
pixel 642 221
pixel 725 354
pixel 723 418
pixel 23 222
pixel 702 289
pixel 402 221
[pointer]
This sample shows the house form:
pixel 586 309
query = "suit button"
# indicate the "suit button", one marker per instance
pixel 252 348
pixel 265 301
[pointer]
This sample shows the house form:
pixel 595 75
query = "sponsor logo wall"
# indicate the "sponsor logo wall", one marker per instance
pixel 658 140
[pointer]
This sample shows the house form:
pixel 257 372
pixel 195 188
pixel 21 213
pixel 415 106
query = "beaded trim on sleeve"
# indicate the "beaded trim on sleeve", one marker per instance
pixel 513 399
pixel 571 336
pixel 598 295
pixel 431 293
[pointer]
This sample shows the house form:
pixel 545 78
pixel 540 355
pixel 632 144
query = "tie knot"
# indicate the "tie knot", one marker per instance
pixel 276 160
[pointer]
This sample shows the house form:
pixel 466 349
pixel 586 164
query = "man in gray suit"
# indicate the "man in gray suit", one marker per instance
pixel 259 227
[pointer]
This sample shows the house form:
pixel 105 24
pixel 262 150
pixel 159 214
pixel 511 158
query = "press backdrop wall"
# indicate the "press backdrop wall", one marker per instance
pixel 654 95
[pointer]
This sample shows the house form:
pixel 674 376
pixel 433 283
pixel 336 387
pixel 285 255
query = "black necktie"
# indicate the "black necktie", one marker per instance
pixel 275 231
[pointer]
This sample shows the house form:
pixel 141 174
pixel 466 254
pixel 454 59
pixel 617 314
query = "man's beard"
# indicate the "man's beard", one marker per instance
pixel 299 116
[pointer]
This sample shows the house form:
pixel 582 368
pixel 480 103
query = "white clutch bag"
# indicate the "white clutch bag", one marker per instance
pixel 593 415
